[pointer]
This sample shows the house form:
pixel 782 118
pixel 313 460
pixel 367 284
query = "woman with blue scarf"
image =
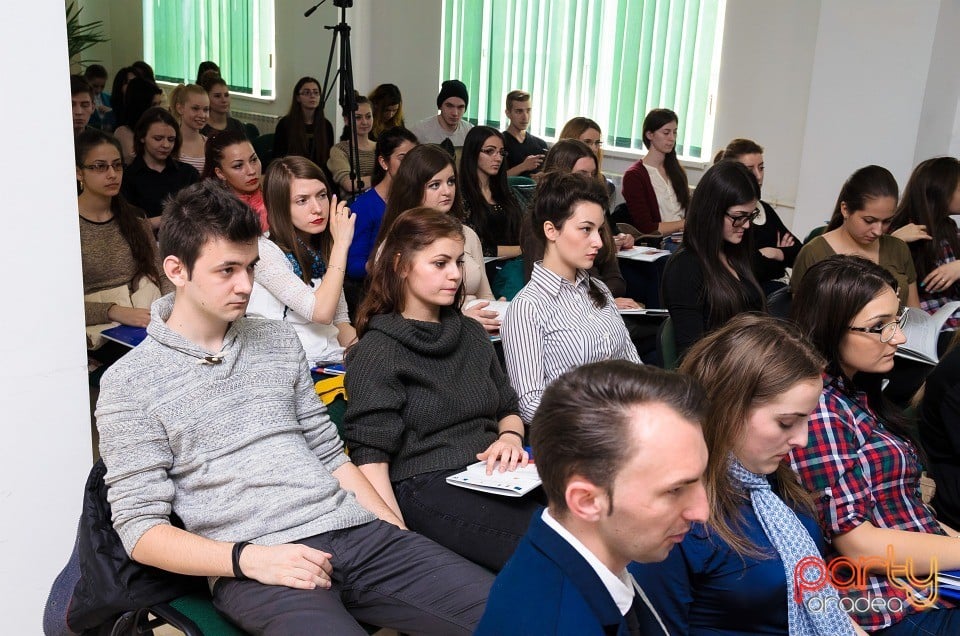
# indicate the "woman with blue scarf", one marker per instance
pixel 739 573
pixel 303 259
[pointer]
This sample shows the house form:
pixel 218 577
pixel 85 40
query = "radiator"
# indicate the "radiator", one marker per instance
pixel 265 123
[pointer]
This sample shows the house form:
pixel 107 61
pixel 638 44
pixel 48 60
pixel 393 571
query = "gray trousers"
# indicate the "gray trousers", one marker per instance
pixel 381 575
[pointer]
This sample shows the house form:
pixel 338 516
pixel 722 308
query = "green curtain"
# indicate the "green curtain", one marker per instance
pixel 187 32
pixel 611 60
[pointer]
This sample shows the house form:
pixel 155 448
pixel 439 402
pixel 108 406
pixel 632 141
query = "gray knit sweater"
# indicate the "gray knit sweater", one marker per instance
pixel 424 396
pixel 241 451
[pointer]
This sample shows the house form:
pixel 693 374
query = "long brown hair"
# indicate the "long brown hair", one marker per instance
pixel 276 198
pixel 579 125
pixel 413 231
pixel 654 121
pixel 297 127
pixel 129 218
pixel 745 364
pixel 926 201
pixel 406 189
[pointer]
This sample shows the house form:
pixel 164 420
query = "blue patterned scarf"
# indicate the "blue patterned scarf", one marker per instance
pixel 317 267
pixel 792 542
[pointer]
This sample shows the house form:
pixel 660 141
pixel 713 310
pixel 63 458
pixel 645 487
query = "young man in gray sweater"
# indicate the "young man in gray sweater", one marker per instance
pixel 214 417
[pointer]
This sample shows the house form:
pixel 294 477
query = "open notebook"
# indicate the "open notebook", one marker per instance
pixel 514 483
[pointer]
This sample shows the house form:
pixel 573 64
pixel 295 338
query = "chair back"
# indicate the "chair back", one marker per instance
pixel 264 147
pixel 667 345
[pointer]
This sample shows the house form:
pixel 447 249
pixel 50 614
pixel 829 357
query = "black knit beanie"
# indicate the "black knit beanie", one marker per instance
pixel 453 88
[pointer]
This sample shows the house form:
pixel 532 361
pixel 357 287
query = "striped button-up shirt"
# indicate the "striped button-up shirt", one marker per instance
pixel 553 326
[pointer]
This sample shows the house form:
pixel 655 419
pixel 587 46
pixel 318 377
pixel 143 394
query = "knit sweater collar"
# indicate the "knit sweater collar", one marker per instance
pixel 160 311
pixel 425 338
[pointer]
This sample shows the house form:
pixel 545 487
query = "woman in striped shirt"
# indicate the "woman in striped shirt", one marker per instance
pixel 563 318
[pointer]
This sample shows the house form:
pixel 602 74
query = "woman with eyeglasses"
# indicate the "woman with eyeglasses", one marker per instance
pixel 861 462
pixel 776 248
pixel 863 214
pixel 490 206
pixel 709 280
pixel 304 131
pixel 589 132
pixel 121 267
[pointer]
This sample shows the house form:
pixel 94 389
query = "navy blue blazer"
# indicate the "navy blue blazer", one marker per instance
pixel 548 588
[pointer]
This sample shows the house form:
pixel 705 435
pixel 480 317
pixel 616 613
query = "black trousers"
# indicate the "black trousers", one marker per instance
pixel 381 575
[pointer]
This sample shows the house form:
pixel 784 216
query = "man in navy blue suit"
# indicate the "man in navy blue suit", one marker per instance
pixel 621 455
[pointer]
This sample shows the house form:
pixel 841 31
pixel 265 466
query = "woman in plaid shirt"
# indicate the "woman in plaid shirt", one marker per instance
pixel 860 463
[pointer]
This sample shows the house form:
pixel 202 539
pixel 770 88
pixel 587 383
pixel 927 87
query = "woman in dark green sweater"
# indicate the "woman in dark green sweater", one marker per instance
pixel 428 396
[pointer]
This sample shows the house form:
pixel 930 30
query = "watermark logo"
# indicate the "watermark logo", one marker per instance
pixel 812 575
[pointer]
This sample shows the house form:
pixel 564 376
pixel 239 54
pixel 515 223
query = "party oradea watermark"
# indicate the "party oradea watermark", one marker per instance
pixel 849 577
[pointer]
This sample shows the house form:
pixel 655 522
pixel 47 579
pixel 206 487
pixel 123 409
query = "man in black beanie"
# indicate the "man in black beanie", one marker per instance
pixel 449 123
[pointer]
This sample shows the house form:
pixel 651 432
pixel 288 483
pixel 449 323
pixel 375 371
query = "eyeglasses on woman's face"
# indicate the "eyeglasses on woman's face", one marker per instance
pixel 309 92
pixel 493 151
pixel 739 220
pixel 886 331
pixel 101 167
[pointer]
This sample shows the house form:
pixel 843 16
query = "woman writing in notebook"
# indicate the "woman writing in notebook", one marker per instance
pixel 428 395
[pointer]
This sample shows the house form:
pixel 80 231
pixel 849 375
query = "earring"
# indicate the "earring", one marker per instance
pixel 80 181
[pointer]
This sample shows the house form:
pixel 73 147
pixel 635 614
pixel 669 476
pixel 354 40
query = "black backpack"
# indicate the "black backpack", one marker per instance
pixel 100 582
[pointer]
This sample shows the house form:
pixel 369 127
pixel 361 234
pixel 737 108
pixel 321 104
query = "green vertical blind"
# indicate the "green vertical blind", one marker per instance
pixel 610 60
pixel 236 34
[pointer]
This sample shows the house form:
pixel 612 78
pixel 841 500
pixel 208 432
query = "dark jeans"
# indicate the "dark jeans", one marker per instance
pixel 483 528
pixel 932 622
pixel 381 575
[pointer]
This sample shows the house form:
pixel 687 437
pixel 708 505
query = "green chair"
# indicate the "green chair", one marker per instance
pixel 667 345
pixel 251 130
pixel 814 233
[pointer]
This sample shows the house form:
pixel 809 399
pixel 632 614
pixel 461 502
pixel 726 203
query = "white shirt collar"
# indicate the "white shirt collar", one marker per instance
pixel 619 586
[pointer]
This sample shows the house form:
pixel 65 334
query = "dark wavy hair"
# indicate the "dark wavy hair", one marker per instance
pixel 473 199
pixel 411 232
pixel 276 198
pixel 156 115
pixel 139 99
pixel 120 82
pixel 722 186
pixel 869 182
pixel 215 147
pixel 654 121
pixel 406 190
pixel 297 127
pixel 737 148
pixel 129 219
pixel 926 201
pixel 556 195
pixel 831 293
pixel 388 141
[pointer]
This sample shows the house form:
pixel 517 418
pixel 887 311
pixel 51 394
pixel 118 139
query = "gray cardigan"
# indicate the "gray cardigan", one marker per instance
pixel 241 451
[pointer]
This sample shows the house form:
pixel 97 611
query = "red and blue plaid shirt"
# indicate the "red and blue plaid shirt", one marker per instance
pixel 930 302
pixel 860 472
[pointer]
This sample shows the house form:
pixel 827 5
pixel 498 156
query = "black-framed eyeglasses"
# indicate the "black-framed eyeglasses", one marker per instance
pixel 101 166
pixel 888 330
pixel 310 93
pixel 739 220
pixel 492 151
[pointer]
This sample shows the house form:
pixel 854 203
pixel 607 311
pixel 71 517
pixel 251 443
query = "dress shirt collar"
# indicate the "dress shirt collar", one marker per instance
pixel 620 586
pixel 552 282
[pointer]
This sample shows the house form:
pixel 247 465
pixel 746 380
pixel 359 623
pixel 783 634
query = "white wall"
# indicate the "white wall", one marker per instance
pixel 43 381
pixel 868 84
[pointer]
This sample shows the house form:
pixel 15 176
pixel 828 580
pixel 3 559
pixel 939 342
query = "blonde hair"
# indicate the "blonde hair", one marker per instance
pixel 179 97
